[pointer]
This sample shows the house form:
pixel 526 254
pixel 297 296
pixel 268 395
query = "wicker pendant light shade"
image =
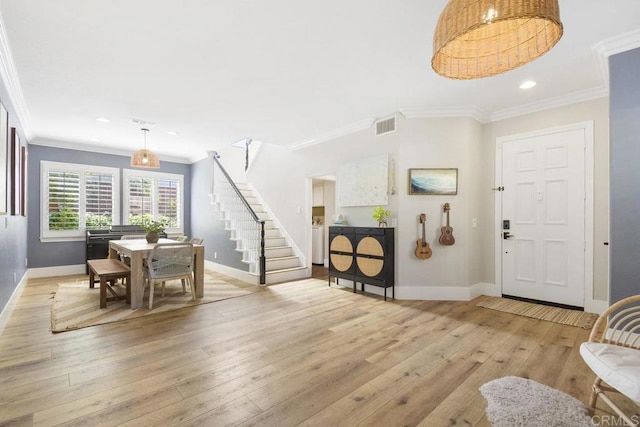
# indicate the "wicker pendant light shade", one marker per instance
pixel 481 38
pixel 145 158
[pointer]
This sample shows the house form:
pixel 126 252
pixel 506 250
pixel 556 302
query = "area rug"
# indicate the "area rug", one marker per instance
pixel 539 311
pixel 76 305
pixel 514 401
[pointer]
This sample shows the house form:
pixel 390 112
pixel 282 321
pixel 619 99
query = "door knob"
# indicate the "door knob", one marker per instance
pixel 506 235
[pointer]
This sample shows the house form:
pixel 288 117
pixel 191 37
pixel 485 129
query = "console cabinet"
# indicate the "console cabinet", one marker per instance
pixel 363 254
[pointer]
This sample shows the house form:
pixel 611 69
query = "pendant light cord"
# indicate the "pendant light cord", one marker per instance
pixel 145 137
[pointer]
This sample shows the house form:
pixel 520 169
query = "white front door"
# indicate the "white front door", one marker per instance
pixel 543 212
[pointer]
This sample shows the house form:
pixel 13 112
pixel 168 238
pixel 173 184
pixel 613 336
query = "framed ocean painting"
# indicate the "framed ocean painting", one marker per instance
pixel 433 181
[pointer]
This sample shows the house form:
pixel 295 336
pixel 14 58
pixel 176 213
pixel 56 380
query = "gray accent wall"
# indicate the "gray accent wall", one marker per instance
pixel 13 229
pixel 625 174
pixel 50 254
pixel 13 250
pixel 206 223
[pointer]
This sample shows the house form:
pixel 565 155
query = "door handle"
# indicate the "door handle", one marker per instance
pixel 506 235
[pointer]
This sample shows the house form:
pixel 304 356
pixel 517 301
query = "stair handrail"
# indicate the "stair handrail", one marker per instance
pixel 263 261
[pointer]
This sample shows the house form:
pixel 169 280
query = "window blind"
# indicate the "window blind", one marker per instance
pixel 64 200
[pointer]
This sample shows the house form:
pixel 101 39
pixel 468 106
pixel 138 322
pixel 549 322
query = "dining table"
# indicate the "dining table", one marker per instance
pixel 138 250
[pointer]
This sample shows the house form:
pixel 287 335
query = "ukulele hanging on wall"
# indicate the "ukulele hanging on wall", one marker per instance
pixel 423 251
pixel 446 238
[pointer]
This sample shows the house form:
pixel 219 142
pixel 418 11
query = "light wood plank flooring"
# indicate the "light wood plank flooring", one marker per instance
pixel 297 353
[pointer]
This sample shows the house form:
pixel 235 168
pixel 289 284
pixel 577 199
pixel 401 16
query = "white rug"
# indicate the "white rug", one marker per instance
pixel 514 401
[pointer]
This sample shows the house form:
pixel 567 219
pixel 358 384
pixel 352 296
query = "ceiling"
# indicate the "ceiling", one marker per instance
pixel 281 71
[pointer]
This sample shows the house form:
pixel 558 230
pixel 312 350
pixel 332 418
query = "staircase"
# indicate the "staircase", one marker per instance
pixel 282 263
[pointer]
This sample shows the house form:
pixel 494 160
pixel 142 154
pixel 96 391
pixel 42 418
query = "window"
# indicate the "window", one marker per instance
pixel 154 196
pixel 76 197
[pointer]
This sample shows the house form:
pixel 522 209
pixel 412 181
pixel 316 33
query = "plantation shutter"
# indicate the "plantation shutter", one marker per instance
pixel 140 199
pixel 169 202
pixel 154 196
pixel 99 194
pixel 63 200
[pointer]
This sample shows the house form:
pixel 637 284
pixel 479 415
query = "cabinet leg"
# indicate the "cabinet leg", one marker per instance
pixel 354 286
pixel 385 294
pixel 393 292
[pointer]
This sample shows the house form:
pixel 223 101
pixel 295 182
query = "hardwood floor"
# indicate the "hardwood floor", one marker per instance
pixel 300 353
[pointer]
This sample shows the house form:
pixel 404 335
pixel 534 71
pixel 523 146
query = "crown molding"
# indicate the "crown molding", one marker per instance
pixel 436 112
pixel 604 49
pixel 546 104
pixel 68 145
pixel 345 130
pixel 9 76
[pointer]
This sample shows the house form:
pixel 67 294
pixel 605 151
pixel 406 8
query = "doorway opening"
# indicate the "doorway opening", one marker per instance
pixel 323 210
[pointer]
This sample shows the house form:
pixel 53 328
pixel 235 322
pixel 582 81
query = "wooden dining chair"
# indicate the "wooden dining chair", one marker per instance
pixel 169 261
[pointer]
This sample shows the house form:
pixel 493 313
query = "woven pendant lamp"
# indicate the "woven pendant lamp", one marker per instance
pixel 481 38
pixel 145 158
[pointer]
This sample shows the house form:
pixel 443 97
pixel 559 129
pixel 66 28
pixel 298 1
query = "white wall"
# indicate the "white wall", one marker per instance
pixel 282 177
pixel 440 143
pixel 279 175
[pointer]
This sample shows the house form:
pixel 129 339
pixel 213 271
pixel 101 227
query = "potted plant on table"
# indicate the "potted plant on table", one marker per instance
pixel 153 229
pixel 381 215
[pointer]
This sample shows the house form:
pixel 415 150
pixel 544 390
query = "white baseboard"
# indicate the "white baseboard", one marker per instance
pixel 482 288
pixel 446 293
pixel 11 304
pixel 245 276
pixel 62 270
pixel 595 306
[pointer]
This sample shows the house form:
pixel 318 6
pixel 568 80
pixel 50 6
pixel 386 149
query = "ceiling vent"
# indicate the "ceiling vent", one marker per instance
pixel 385 126
pixel 142 123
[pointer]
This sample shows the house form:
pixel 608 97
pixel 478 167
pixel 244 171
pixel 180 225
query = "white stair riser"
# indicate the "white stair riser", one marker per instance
pixel 281 264
pixel 286 276
pixel 270 242
pixel 278 264
pixel 277 252
pixel 271 232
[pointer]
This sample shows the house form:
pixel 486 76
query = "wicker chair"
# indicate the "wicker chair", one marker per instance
pixel 613 354
pixel 169 261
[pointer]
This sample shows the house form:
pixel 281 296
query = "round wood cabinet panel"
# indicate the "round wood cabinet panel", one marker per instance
pixel 370 267
pixel 370 246
pixel 341 244
pixel 341 262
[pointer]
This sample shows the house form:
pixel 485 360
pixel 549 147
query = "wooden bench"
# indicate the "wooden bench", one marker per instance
pixel 109 270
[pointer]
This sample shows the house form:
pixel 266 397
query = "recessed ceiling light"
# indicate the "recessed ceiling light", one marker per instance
pixel 103 119
pixel 528 84
pixel 171 132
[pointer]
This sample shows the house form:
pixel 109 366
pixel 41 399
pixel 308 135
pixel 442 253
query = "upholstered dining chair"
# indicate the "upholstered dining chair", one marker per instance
pixel 169 261
pixel 197 240
pixel 613 354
